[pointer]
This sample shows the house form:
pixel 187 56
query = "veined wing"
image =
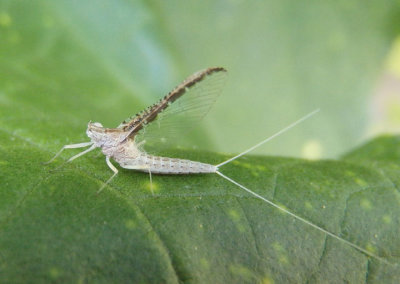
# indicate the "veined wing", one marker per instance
pixel 180 109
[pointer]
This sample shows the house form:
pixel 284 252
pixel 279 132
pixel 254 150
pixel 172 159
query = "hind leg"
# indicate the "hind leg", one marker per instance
pixel 151 183
pixel 114 169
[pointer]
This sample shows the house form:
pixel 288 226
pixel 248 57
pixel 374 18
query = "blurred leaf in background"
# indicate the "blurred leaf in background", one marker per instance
pixel 64 63
pixel 285 58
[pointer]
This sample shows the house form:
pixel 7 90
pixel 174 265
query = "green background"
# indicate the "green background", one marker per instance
pixel 285 59
pixel 64 63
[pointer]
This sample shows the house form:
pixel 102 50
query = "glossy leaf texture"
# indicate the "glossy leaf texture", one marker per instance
pixel 61 67
pixel 199 228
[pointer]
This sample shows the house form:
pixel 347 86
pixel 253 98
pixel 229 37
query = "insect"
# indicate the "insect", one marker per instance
pixel 188 103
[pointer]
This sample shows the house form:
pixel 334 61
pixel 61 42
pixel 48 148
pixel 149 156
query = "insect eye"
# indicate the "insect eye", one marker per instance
pixel 98 124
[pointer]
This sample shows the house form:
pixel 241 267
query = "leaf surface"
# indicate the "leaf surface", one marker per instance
pixel 198 228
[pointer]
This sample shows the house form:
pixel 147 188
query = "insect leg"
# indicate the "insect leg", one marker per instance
pixel 81 153
pixel 71 146
pixel 151 183
pixel 113 168
pixel 141 143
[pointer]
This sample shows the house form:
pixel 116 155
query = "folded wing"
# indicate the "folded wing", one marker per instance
pixel 180 109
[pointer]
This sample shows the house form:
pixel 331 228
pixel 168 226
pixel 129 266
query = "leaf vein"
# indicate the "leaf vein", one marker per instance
pixel 367 271
pixel 162 244
pixel 89 175
pixel 251 228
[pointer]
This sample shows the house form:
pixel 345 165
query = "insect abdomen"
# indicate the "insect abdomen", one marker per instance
pixel 164 165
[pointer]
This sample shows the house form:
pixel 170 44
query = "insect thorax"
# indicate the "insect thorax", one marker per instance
pixel 104 137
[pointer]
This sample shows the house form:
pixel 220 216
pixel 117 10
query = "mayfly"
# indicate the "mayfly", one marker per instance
pixel 188 102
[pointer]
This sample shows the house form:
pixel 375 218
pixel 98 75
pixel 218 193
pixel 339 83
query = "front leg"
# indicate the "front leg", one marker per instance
pixel 71 146
pixel 81 153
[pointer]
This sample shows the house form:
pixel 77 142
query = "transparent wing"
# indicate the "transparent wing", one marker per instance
pixel 196 96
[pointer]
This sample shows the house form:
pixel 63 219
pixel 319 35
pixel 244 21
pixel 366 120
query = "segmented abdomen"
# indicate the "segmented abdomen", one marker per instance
pixel 164 165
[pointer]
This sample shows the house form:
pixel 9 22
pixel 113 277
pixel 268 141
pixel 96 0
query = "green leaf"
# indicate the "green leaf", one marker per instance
pixel 64 63
pixel 198 228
